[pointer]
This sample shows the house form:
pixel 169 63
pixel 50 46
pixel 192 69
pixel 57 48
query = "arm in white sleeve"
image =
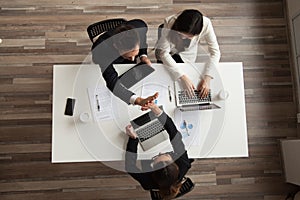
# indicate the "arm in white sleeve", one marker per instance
pixel 162 52
pixel 214 50
pixel 132 99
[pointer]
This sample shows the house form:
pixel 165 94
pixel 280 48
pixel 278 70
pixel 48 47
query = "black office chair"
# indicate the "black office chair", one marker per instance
pixel 186 187
pixel 102 26
pixel 160 27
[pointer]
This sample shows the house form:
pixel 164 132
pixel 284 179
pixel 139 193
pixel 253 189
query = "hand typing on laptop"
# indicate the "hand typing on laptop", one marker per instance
pixel 204 86
pixel 187 85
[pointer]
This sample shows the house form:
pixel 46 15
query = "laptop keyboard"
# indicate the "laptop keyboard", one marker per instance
pixel 149 130
pixel 185 99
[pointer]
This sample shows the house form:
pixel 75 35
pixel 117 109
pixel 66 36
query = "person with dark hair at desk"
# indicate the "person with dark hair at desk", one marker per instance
pixel 181 35
pixel 166 170
pixel 122 45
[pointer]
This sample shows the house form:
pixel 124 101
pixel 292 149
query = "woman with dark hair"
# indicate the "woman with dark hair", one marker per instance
pixel 180 37
pixel 166 170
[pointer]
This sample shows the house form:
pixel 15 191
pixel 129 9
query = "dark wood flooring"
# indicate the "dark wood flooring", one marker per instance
pixel 36 34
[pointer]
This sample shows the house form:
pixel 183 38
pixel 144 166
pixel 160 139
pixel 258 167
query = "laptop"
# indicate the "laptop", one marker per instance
pixel 150 130
pixel 135 74
pixel 186 103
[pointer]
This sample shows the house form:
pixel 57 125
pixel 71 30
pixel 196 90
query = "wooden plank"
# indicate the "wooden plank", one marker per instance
pixel 24 148
pixel 20 3
pixel 99 183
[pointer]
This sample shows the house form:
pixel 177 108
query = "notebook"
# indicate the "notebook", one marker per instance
pixel 150 130
pixel 186 103
pixel 135 74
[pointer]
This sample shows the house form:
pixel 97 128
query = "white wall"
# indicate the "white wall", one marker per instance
pixel 293 7
pixel 291 160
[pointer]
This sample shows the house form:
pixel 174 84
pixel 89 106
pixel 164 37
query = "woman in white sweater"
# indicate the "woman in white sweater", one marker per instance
pixel 180 37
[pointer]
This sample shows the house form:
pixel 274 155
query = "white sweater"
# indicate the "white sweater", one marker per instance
pixel 189 55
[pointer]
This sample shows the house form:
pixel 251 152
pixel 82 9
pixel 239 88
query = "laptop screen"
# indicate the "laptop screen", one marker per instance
pixel 143 119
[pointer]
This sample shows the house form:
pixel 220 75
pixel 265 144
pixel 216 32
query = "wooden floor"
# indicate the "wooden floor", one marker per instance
pixel 37 34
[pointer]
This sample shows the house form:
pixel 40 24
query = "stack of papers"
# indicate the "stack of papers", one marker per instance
pixel 101 103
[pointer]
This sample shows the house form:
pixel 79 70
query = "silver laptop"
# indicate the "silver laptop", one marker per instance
pixel 150 130
pixel 186 103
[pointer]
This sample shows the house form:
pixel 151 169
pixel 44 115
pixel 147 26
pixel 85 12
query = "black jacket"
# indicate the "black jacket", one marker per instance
pixel 183 162
pixel 105 54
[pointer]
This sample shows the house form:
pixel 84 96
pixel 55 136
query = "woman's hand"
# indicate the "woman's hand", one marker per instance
pixel 204 86
pixel 145 59
pixel 144 102
pixel 130 132
pixel 188 86
pixel 154 108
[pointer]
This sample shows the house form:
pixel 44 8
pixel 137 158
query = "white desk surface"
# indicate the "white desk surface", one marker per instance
pixel 224 135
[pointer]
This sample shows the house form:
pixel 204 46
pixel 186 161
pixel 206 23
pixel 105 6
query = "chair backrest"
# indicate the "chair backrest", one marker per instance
pixel 103 26
pixel 186 187
pixel 160 27
pixel 159 31
pixel 155 195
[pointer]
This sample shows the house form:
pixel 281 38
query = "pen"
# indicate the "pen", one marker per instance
pixel 186 128
pixel 170 97
pixel 98 104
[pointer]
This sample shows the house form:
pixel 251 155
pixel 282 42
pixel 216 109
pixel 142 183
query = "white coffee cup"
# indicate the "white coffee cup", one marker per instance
pixel 84 117
pixel 223 94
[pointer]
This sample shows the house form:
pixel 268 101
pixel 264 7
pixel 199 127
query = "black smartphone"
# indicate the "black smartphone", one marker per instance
pixel 70 106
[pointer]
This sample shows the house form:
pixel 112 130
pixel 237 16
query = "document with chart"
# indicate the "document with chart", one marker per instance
pixel 188 124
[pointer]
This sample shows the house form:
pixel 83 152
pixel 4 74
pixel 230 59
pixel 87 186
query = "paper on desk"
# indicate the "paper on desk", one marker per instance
pixel 100 102
pixel 150 89
pixel 188 124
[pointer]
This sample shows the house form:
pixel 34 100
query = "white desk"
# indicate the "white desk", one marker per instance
pixel 225 133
